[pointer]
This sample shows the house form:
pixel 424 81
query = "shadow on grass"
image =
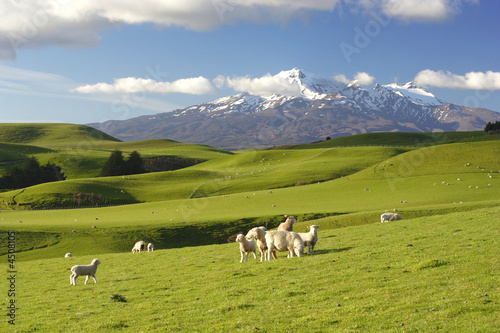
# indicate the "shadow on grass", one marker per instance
pixel 343 249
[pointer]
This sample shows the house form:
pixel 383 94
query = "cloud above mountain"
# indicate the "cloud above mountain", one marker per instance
pixel 78 24
pixel 195 86
pixel 360 78
pixel 266 85
pixel 473 80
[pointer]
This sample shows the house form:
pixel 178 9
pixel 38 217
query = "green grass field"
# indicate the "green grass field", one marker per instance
pixel 430 274
pixel 435 271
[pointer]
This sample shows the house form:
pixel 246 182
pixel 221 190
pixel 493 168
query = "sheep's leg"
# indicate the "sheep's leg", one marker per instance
pixel 72 280
pixel 269 252
pixel 242 256
pixel 86 279
pixel 95 280
pixel 246 256
pixel 255 254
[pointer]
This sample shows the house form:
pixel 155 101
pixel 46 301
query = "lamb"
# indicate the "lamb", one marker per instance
pixel 386 217
pixel 88 270
pixel 139 246
pixel 288 224
pixel 279 240
pixel 259 233
pixel 68 255
pixel 151 247
pixel 246 246
pixel 310 238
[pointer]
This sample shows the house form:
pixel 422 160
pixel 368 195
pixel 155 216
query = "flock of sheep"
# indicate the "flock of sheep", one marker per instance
pixel 268 241
pixel 281 240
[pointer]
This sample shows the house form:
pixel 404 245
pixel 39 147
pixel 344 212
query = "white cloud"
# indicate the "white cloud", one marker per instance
pixel 421 10
pixel 77 24
pixel 364 79
pixel 361 78
pixel 195 86
pixel 473 80
pixel 341 78
pixel 266 85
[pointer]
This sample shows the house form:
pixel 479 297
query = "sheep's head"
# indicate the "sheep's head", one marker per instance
pixel 291 219
pixel 240 238
pixel 95 262
pixel 251 234
pixel 313 227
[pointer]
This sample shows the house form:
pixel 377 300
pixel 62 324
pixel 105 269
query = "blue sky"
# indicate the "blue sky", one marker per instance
pixel 92 61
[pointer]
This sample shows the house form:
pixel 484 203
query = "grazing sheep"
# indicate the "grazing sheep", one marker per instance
pixel 279 240
pixel 386 217
pixel 151 247
pixel 68 255
pixel 246 246
pixel 88 270
pixel 139 246
pixel 259 233
pixel 310 238
pixel 288 224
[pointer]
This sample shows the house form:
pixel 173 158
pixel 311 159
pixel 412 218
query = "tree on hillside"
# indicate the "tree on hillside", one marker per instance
pixel 115 165
pixel 134 164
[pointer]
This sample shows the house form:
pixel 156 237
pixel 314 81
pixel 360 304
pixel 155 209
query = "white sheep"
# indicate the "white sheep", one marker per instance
pixel 386 217
pixel 246 246
pixel 310 238
pixel 288 224
pixel 279 240
pixel 151 247
pixel 139 246
pixel 68 255
pixel 88 270
pixel 259 233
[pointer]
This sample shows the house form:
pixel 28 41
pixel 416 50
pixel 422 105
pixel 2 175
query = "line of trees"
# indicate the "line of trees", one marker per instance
pixel 492 127
pixel 116 165
pixel 31 173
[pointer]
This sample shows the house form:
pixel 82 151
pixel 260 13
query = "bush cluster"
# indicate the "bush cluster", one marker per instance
pixel 31 173
pixel 167 163
pixel 492 127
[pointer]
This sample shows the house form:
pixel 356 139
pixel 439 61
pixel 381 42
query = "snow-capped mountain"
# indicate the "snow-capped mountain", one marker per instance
pixel 320 107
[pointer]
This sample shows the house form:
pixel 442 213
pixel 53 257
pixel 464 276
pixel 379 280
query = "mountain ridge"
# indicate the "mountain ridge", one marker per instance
pixel 317 107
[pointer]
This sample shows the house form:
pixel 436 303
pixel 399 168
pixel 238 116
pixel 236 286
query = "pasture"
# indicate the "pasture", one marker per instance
pixel 434 271
pixel 429 274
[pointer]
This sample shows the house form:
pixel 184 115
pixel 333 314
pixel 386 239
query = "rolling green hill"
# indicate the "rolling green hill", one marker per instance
pixel 80 150
pixel 52 135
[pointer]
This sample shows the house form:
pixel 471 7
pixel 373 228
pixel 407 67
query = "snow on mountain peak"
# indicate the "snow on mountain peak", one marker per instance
pixel 416 94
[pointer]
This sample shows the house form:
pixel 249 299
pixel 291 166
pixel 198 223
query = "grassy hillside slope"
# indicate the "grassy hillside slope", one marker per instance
pixel 356 199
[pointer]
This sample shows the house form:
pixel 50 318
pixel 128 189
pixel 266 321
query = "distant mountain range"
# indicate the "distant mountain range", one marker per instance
pixel 324 108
